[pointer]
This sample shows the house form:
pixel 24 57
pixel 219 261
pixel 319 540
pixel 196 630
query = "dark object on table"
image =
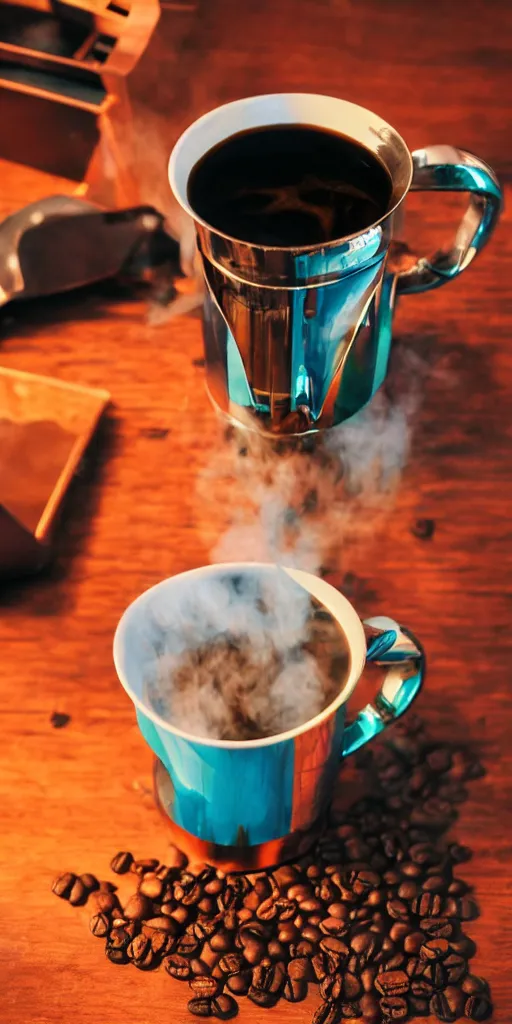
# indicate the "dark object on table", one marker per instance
pixel 62 51
pixel 424 529
pixel 45 426
pixel 59 719
pixel 62 243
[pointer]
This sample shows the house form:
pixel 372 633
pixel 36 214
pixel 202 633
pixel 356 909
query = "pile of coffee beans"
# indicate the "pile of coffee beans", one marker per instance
pixel 374 916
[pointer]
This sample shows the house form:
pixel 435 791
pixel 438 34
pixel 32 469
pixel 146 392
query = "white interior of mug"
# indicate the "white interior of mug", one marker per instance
pixel 324 112
pixel 131 643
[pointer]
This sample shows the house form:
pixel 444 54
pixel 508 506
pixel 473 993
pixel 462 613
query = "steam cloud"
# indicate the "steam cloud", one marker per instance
pixel 231 657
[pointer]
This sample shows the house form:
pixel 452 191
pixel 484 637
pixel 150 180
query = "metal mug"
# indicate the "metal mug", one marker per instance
pixel 245 804
pixel 298 339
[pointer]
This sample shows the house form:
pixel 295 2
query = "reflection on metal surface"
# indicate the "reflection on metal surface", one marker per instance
pixel 298 339
pixel 395 649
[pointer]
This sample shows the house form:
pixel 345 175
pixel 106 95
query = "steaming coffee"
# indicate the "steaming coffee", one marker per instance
pixel 289 185
pixel 279 659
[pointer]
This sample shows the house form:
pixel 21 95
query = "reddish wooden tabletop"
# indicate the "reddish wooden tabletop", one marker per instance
pixel 71 797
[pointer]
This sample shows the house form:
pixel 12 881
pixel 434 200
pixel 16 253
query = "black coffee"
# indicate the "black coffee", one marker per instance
pixel 289 185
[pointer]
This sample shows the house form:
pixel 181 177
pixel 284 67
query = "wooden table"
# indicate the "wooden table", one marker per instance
pixel 71 797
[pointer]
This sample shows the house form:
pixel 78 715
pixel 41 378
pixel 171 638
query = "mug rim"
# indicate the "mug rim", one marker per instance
pixel 314 585
pixel 180 193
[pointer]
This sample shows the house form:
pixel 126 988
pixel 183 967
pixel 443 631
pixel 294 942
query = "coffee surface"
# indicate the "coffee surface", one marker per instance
pixel 289 185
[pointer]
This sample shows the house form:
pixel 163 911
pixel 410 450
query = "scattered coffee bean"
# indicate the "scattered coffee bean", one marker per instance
pixel 205 987
pixel 138 907
pixel 327 1013
pixel 200 1007
pixel 393 1008
pixel 372 915
pixel 224 1007
pixel 63 885
pixel 478 1007
pixel 121 863
pixel 99 925
pixel 106 902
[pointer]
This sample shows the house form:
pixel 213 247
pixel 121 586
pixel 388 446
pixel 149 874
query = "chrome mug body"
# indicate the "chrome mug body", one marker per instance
pixel 298 339
pixel 247 804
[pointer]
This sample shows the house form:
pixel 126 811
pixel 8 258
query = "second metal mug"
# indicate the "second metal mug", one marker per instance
pixel 244 804
pixel 298 339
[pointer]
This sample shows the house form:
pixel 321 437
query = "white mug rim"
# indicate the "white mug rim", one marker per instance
pixel 204 123
pixel 331 598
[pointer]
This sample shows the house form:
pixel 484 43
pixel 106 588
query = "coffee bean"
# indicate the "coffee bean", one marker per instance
pixel 467 908
pixel 116 956
pixel 331 987
pixel 428 905
pixel 423 853
pixel 139 867
pixel 295 990
pixel 370 1008
pixel 327 1013
pixel 418 1007
pixel 253 947
pixel 409 869
pixel 320 965
pixel 138 907
pixel 151 886
pixel 300 968
pixel 266 910
pixel 121 863
pixel 478 1007
pixel 240 983
pixel 99 925
pixel 368 978
pixel 141 952
pixel 200 1007
pixel 187 945
pixel 286 909
pixel 421 988
pixel 472 985
pixel 459 854
pixel 352 987
pixel 437 927
pixel 350 1010
pixel 231 963
pixel 455 967
pixel 392 983
pixel 413 942
pixel 398 909
pixel 408 890
pixel 333 926
pixel 90 882
pixel 106 902
pixel 224 1007
pixel 434 972
pixel 199 967
pixel 204 987
pixel 393 1008
pixel 63 885
pixel 78 894
pixel 434 949
pixel 440 1008
pixel 464 947
pixel 161 924
pixel 178 966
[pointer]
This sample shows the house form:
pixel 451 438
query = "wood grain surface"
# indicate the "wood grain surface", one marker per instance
pixel 71 797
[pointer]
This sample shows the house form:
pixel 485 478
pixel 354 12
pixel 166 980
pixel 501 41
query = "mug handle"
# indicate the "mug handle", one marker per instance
pixel 393 647
pixel 447 169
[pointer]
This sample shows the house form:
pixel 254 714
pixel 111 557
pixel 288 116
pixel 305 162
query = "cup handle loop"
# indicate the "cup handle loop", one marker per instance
pixel 402 657
pixel 447 169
